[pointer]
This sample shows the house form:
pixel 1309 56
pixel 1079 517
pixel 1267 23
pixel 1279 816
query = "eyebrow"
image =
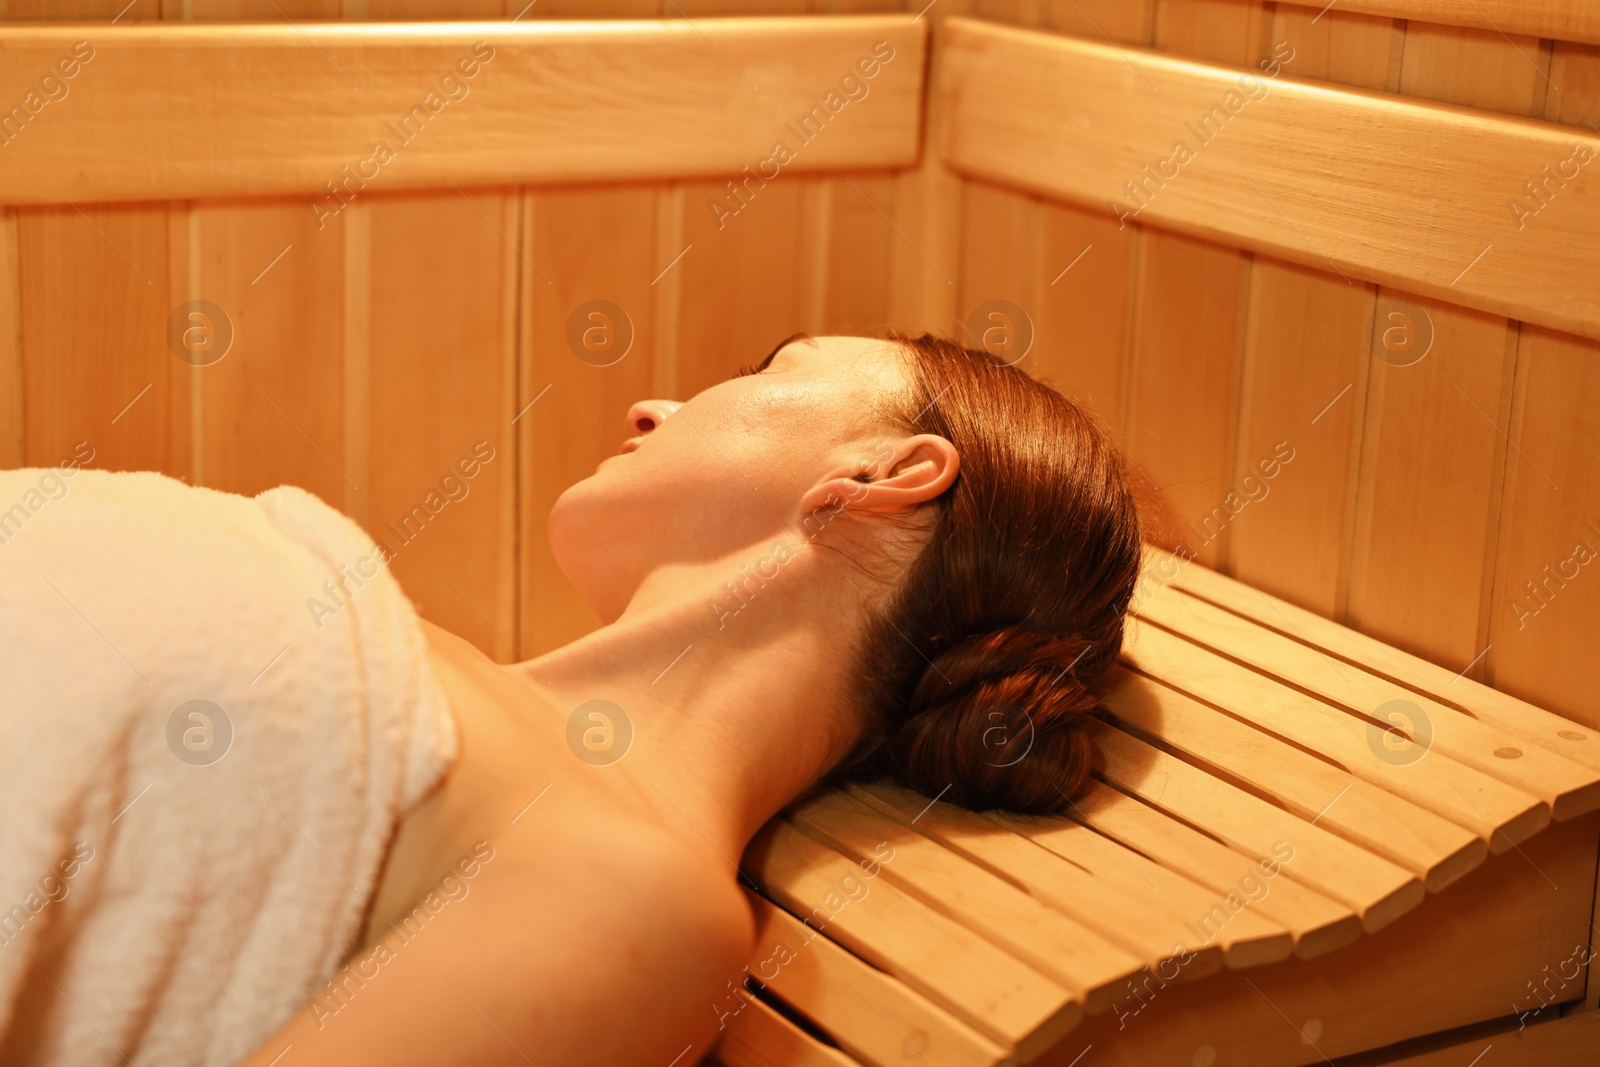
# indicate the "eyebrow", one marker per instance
pixel 791 339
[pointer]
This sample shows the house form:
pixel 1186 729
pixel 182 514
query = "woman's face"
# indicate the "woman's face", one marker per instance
pixel 728 469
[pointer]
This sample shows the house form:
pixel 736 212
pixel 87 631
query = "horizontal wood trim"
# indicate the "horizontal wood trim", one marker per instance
pixel 1371 186
pixel 171 112
pixel 1562 20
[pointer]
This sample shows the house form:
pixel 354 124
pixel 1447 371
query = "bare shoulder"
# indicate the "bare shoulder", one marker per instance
pixel 576 954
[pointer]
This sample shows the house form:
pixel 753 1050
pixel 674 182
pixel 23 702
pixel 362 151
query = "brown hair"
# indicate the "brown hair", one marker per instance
pixel 975 677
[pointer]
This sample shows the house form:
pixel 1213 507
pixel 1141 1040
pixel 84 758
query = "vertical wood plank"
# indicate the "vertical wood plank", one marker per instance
pixel 94 309
pixel 1304 385
pixel 741 279
pixel 585 243
pixel 926 213
pixel 1125 21
pixel 1575 70
pixel 1546 610
pixel 274 407
pixel 1223 31
pixel 1431 464
pixel 1082 308
pixel 11 431
pixel 1478 68
pixel 441 381
pixel 1183 390
pixel 860 248
pixel 1337 46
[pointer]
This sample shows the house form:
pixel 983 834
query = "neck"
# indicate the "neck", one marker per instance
pixel 733 676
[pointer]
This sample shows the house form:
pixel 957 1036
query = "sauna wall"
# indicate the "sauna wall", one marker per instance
pixel 1423 505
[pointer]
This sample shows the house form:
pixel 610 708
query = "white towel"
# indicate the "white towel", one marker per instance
pixel 158 904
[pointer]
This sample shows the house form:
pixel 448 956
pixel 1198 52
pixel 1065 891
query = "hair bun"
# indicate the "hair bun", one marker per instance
pixel 996 721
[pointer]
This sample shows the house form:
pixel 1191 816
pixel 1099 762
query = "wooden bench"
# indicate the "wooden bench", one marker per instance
pixel 1250 880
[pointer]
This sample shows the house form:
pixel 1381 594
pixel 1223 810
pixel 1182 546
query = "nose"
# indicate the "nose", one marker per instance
pixel 647 415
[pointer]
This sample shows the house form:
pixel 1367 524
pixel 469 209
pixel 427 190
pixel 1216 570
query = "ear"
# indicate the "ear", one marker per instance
pixel 903 474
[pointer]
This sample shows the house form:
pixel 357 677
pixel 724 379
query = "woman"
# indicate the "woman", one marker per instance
pixel 861 557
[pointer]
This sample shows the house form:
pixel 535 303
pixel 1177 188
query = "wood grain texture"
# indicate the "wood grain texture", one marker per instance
pixel 1319 924
pixel 1433 445
pixel 1476 68
pixel 1180 411
pixel 1379 188
pixel 581 244
pixel 273 408
pixel 1488 936
pixel 440 397
pixel 1539 18
pixel 1502 710
pixel 95 304
pixel 536 102
pixel 959 970
pixel 1545 612
pixel 1569 787
pixel 1303 395
pixel 862 1008
pixel 11 431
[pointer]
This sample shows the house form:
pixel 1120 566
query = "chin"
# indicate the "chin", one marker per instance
pixel 579 540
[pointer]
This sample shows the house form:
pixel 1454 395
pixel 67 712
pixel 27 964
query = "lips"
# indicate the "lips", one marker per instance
pixel 629 445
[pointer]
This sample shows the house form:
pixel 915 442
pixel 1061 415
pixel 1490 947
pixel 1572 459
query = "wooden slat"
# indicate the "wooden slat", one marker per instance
pixel 1377 890
pixel 865 1010
pixel 1464 956
pixel 979 983
pixel 1318 923
pixel 1246 941
pixel 1569 788
pixel 759 1037
pixel 1560 19
pixel 1433 848
pixel 1109 894
pixel 191 110
pixel 1053 942
pixel 1501 710
pixel 1500 813
pixel 1355 194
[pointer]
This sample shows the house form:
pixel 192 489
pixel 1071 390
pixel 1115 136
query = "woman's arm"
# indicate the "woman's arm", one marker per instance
pixel 571 959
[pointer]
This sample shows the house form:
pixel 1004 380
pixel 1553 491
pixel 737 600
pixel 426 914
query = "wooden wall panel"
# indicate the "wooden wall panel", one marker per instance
pixel 1222 31
pixel 1435 436
pixel 273 409
pixel 1338 46
pixel 1545 614
pixel 94 308
pixel 1431 463
pixel 583 244
pixel 1304 386
pixel 742 282
pixel 11 425
pixel 860 246
pixel 1477 68
pixel 442 378
pixel 1183 384
pixel 1081 315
